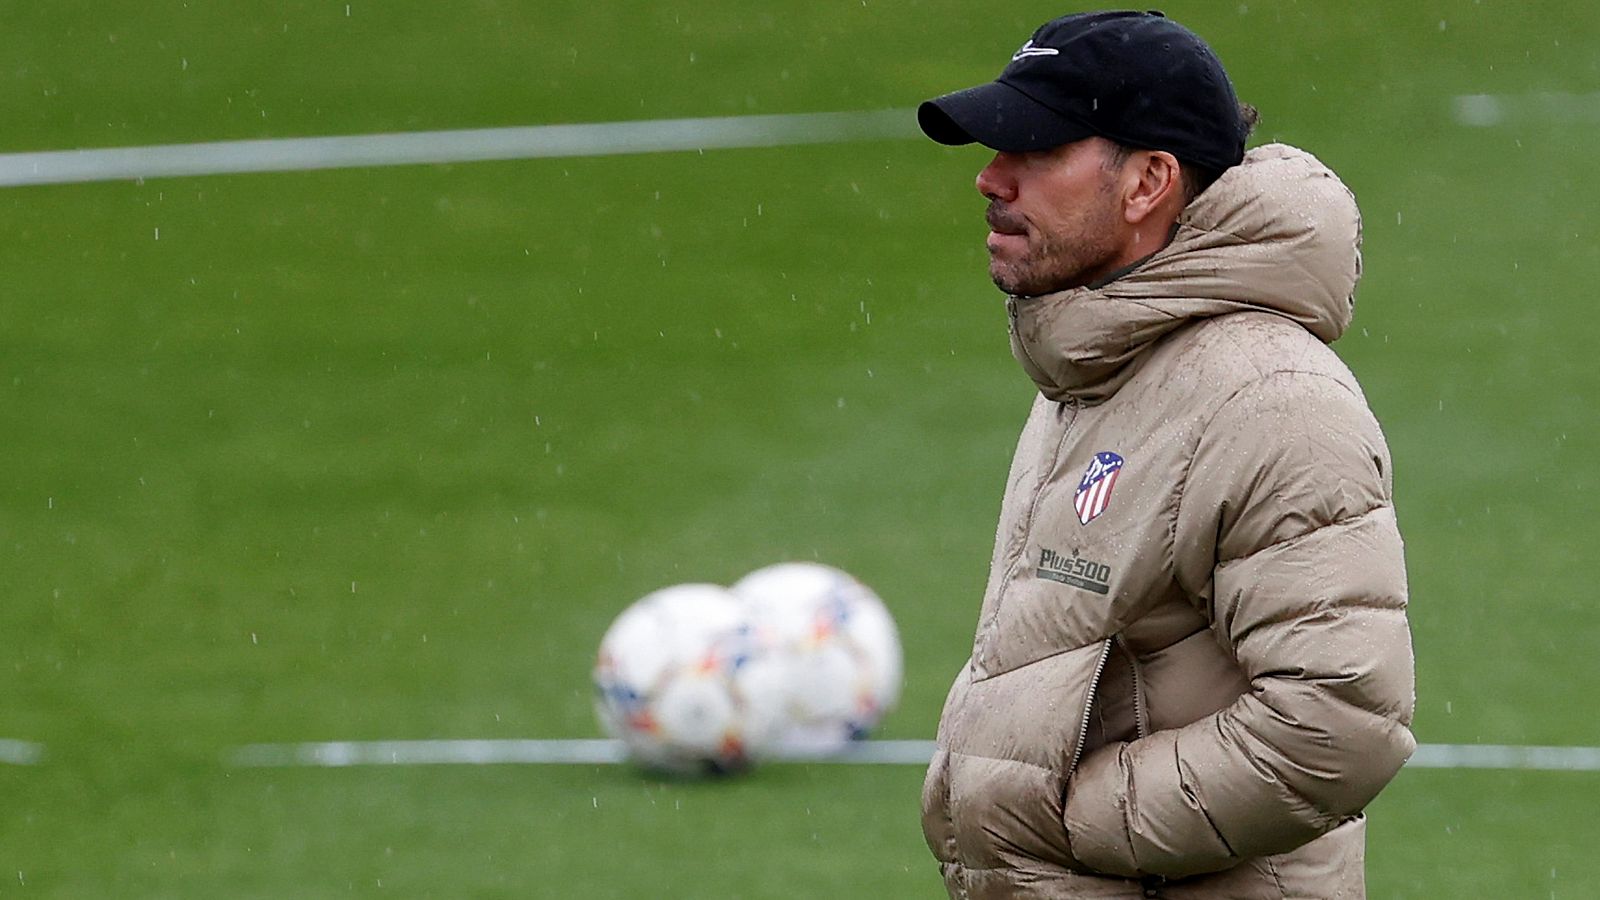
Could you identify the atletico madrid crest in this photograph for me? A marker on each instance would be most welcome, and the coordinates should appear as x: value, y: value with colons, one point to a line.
x: 1094, y: 491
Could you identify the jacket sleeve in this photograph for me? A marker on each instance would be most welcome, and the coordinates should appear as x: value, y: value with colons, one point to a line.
x: 1285, y: 533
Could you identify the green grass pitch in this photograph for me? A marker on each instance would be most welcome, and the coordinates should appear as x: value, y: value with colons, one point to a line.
x: 378, y: 454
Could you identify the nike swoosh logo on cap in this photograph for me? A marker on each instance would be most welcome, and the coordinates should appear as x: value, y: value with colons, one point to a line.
x: 1029, y: 49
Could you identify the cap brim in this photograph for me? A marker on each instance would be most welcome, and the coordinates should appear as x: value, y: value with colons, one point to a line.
x: 999, y: 117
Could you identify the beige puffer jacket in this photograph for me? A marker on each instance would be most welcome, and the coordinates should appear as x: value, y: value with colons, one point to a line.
x: 1192, y: 669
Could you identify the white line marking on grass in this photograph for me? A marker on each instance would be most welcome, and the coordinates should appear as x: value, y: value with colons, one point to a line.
x: 1491, y: 756
x: 339, y: 754
x: 336, y: 754
x: 408, y: 148
x: 1488, y: 110
x: 20, y: 753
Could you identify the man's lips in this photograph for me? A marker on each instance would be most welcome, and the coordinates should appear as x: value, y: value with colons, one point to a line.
x: 1002, y: 221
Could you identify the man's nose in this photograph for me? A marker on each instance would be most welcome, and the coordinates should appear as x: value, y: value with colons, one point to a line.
x: 998, y: 179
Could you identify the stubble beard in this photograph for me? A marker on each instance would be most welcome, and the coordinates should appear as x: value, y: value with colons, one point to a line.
x: 1070, y: 257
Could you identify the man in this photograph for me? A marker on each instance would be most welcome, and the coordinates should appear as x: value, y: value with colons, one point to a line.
x: 1192, y: 668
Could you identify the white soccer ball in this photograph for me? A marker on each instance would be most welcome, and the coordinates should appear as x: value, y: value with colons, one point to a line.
x: 844, y: 655
x: 687, y: 684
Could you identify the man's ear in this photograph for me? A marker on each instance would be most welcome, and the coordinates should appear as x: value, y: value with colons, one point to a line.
x: 1154, y: 185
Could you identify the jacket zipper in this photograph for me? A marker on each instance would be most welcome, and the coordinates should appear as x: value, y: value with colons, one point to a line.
x: 1141, y: 716
x: 1088, y: 706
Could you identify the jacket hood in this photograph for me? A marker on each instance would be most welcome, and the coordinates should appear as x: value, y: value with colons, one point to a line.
x: 1277, y: 233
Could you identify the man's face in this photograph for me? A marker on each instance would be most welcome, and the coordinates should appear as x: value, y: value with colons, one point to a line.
x: 1054, y: 216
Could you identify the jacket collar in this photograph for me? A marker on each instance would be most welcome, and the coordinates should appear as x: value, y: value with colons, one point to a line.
x: 1278, y: 233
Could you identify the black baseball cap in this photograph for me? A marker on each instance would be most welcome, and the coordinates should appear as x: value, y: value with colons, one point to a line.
x: 1136, y: 78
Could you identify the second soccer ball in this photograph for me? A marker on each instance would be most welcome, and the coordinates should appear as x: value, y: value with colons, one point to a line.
x: 844, y: 660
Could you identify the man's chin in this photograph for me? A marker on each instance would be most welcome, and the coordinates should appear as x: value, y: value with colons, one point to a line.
x: 1012, y: 284
x: 1004, y: 277
x: 1031, y: 283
